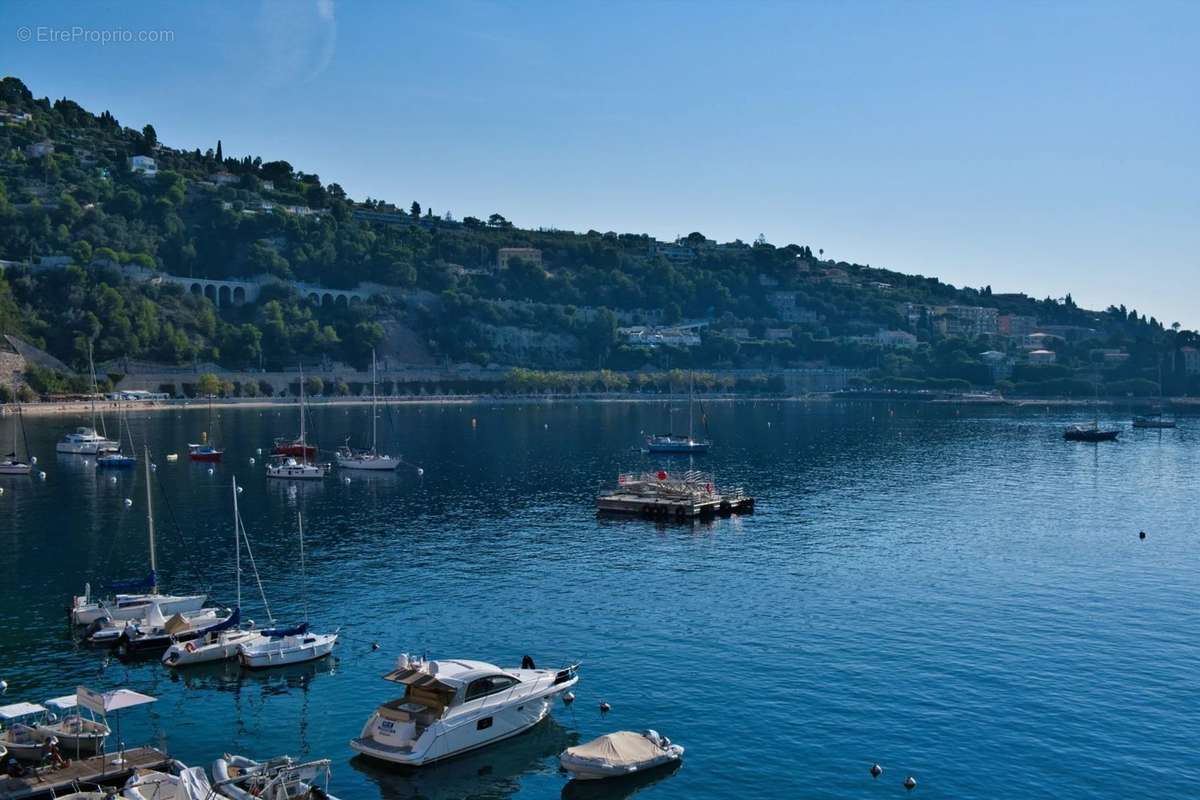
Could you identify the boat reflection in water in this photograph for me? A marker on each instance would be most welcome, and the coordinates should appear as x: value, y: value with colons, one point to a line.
x: 495, y: 771
x: 619, y: 788
x: 229, y: 676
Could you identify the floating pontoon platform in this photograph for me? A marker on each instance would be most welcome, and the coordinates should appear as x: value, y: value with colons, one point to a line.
x: 660, y: 495
x: 84, y: 774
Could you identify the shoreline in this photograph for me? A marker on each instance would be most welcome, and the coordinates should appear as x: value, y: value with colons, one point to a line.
x: 84, y: 407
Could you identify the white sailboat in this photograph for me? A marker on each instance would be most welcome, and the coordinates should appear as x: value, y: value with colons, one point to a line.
x: 11, y: 465
x: 287, y: 466
x: 279, y: 648
x: 86, y: 441
x: 224, y: 644
x: 347, y: 458
x: 144, y: 593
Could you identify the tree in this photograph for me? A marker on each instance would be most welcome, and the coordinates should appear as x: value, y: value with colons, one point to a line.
x: 498, y: 221
x: 313, y: 385
x: 149, y: 138
x: 220, y: 157
x: 415, y: 210
x: 208, y: 385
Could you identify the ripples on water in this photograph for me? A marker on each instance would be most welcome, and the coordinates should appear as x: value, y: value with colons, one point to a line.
x: 962, y: 597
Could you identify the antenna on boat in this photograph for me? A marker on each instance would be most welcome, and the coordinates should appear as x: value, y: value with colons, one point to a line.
x: 303, y: 574
x: 150, y: 525
x: 237, y: 545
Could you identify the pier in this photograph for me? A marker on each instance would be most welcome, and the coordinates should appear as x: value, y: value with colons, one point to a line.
x: 81, y: 775
x: 660, y: 495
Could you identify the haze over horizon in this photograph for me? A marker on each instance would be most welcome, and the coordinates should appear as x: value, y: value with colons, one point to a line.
x: 1045, y: 150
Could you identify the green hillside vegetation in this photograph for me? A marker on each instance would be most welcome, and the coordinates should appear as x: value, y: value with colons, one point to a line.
x: 83, y: 203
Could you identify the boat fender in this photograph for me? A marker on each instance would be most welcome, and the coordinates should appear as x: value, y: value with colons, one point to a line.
x: 191, y: 648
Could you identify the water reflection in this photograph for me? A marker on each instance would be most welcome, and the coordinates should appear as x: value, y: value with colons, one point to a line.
x: 491, y: 773
x: 618, y: 788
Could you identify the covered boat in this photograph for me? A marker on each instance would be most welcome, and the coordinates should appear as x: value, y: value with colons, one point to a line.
x: 176, y: 782
x: 616, y: 755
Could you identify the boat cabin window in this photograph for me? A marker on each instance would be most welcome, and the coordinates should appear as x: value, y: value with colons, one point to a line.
x: 481, y: 687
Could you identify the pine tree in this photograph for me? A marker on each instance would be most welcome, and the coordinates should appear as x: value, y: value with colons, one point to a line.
x: 219, y: 157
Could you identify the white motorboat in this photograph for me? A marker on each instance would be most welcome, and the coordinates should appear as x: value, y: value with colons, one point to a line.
x: 451, y: 707
x: 348, y: 458
x: 106, y: 632
x: 278, y: 648
x: 78, y: 735
x: 84, y: 442
x: 157, y: 634
x: 282, y: 778
x: 617, y: 755
x: 221, y: 645
x: 85, y: 610
x: 176, y: 782
x: 21, y: 736
x: 290, y: 469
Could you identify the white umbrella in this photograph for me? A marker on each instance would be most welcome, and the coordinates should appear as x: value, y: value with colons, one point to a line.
x: 115, y: 701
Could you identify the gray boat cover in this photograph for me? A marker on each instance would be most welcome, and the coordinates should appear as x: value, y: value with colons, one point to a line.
x: 620, y: 749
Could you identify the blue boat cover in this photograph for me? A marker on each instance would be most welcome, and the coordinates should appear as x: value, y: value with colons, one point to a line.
x: 274, y: 633
x: 224, y: 625
x: 148, y: 582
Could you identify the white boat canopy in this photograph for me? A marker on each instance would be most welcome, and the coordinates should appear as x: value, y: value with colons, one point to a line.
x: 64, y: 703
x: 117, y: 699
x: 18, y: 710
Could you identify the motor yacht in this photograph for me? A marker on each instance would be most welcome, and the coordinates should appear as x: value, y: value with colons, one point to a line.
x: 84, y: 442
x: 453, y: 706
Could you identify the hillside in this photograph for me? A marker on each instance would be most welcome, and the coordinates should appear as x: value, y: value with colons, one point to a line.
x: 95, y: 220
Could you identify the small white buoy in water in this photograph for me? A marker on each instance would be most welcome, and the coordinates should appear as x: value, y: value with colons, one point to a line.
x: 910, y: 783
x: 546, y: 426
x: 33, y: 459
x: 3, y: 687
x: 876, y: 770
x: 241, y: 489
x: 374, y: 645
x: 568, y: 698
x: 420, y: 470
x: 604, y: 707
x: 153, y: 467
x: 259, y: 451
x: 113, y: 479
x: 1, y: 490
x: 210, y: 470
x: 251, y: 460
x: 128, y: 503
x: 41, y: 476
x: 346, y: 481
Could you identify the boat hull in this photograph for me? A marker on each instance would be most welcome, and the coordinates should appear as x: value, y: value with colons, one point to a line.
x: 286, y: 651
x: 294, y: 450
x: 84, y: 448
x: 187, y: 654
x: 15, y: 469
x: 208, y: 456
x: 379, y: 463
x: 581, y: 770
x: 135, y: 607
x: 296, y: 473
x: 1091, y: 436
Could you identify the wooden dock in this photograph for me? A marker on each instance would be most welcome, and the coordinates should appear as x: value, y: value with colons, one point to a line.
x: 84, y: 774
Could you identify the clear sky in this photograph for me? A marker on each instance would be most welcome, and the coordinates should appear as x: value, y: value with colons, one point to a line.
x: 1038, y: 147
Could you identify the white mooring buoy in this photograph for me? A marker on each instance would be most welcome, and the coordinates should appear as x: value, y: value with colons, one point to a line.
x: 210, y: 470
x: 41, y: 476
x: 252, y: 461
x: 420, y: 470
x: 568, y: 698
x: 910, y: 783
x: 876, y: 770
x: 128, y: 503
x: 33, y: 459
x: 605, y: 707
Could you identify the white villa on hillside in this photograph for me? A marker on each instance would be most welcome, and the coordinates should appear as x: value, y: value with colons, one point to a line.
x: 144, y: 165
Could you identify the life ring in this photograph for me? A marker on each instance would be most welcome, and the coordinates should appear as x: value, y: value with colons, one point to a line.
x: 191, y: 648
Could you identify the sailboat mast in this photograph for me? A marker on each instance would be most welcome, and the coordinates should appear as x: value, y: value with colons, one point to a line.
x: 150, y: 525
x: 374, y: 413
x: 237, y: 545
x: 691, y: 390
x: 303, y: 573
x: 303, y: 442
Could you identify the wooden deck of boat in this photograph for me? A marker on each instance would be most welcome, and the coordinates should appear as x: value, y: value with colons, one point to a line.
x: 85, y: 773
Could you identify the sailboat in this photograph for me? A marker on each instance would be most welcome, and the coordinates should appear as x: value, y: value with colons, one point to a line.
x: 1093, y: 432
x: 205, y: 451
x: 295, y: 645
x: 85, y: 441
x: 11, y: 465
x: 672, y: 443
x: 113, y: 458
x: 347, y: 458
x: 1156, y: 420
x: 298, y: 447
x: 287, y: 466
x: 144, y: 593
x: 221, y: 644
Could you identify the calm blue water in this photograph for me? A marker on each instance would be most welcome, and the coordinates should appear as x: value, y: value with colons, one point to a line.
x: 960, y: 597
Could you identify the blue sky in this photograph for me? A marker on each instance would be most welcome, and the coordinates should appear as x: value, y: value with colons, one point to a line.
x: 1038, y: 147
